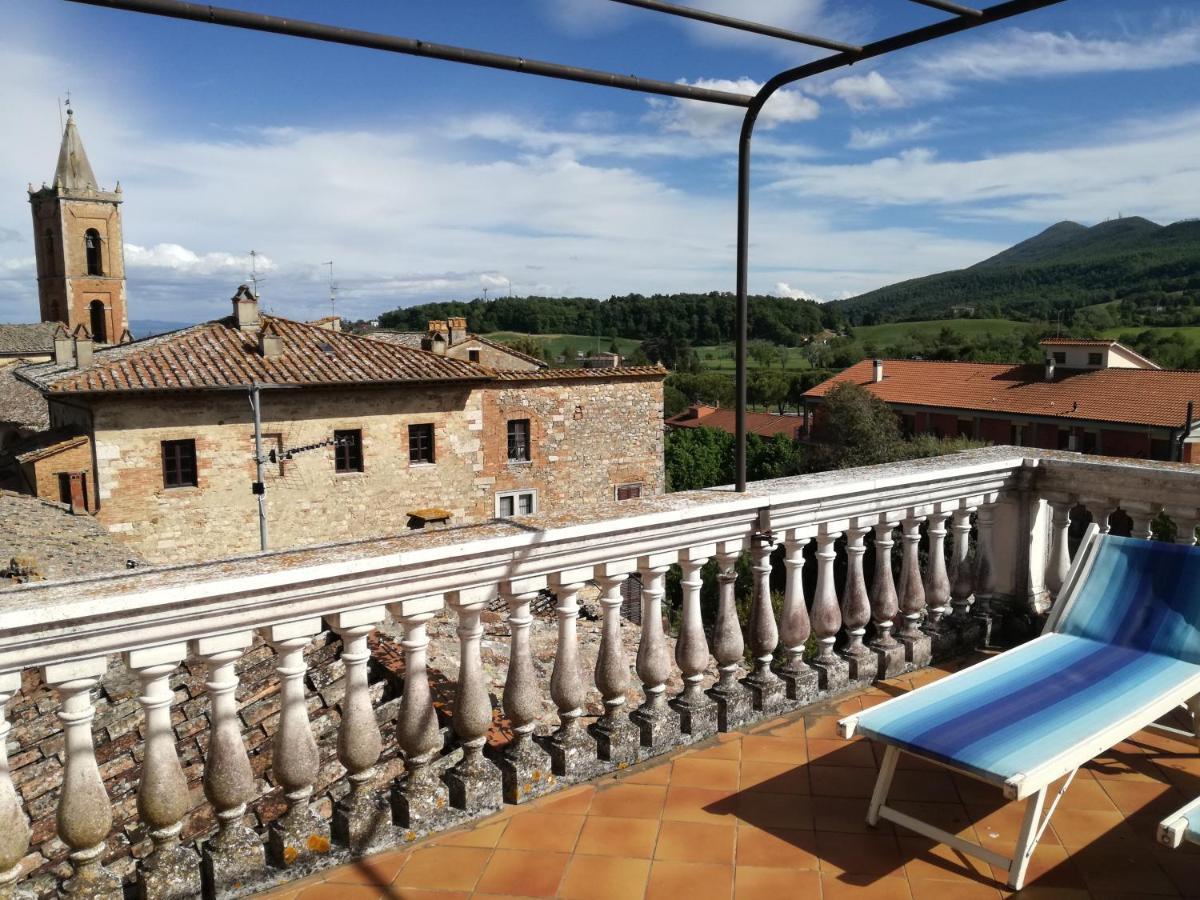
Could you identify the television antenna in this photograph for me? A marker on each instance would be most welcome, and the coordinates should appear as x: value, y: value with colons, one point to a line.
x: 332, y: 289
x: 254, y: 276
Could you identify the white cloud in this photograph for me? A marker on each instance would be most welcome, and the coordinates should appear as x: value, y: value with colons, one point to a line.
x: 707, y: 120
x: 876, y: 138
x: 866, y: 91
x: 783, y: 289
x: 174, y: 258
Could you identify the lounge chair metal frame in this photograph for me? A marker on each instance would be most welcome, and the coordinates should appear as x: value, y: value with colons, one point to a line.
x: 1034, y: 785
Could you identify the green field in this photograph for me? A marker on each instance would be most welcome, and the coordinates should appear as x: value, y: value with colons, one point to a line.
x: 575, y: 342
x: 720, y: 359
x: 895, y: 332
x: 1125, y: 333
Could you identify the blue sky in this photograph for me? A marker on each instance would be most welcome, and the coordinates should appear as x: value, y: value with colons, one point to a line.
x: 424, y: 180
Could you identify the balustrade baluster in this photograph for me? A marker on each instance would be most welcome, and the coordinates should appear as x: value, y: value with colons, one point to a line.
x: 937, y: 585
x: 475, y: 782
x: 84, y: 812
x: 1058, y: 563
x: 572, y: 749
x: 235, y: 854
x: 1186, y: 521
x: 525, y: 766
x: 14, y: 824
x: 697, y: 712
x: 616, y: 737
x: 766, y: 688
x: 299, y: 834
x: 800, y: 680
x: 918, y: 648
x: 968, y: 629
x: 885, y: 606
x: 657, y: 722
x: 361, y: 819
x: 1142, y: 519
x: 862, y: 664
x: 170, y: 872
x: 832, y: 670
x: 734, y: 702
x: 419, y: 797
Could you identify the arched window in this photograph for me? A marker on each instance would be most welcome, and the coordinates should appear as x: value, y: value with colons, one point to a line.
x: 99, y: 325
x: 48, y: 251
x: 91, y: 241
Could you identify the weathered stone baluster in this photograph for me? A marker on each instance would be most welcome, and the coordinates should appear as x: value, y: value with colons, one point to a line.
x: 937, y: 584
x: 419, y: 798
x: 525, y: 766
x: 889, y: 653
x: 968, y: 629
x: 84, y: 812
x: 697, y: 712
x: 475, y: 782
x: 657, y: 722
x: 361, y: 819
x: 765, y: 686
x: 616, y: 737
x: 827, y: 615
x: 985, y: 566
x: 917, y: 645
x: 862, y: 664
x: 1058, y: 563
x: 299, y: 834
x: 14, y: 825
x: 235, y: 855
x: 734, y: 702
x: 1186, y: 521
x: 572, y: 749
x: 170, y: 872
x: 1142, y: 518
x: 801, y: 681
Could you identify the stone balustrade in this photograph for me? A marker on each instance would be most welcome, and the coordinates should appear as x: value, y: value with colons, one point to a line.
x: 830, y: 606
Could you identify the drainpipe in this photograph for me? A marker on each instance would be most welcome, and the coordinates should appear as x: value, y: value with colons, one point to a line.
x: 1187, y: 431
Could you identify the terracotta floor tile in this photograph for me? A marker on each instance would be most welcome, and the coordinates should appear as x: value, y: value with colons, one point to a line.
x: 692, y: 804
x: 415, y: 894
x: 483, y: 836
x: 696, y: 842
x: 573, y: 801
x: 770, y: 847
x: 1078, y: 828
x: 796, y: 729
x: 379, y: 869
x: 926, y: 860
x: 776, y: 810
x: 858, y: 887
x: 536, y: 831
x: 718, y: 774
x: 859, y: 854
x: 329, y: 891
x: 951, y: 817
x: 523, y: 873
x: 845, y: 815
x: 603, y: 836
x: 826, y: 728
x: 841, y: 753
x: 773, y: 777
x: 721, y: 750
x: 999, y: 827
x: 840, y: 781
x: 1154, y: 797
x: 671, y: 880
x: 766, y: 748
x: 653, y: 775
x: 599, y: 878
x: 753, y: 883
x: 1128, y: 866
x: 952, y: 890
x: 1050, y: 867
x: 629, y: 801
x: 443, y: 868
x: 1083, y: 794
x: 971, y: 791
x: 935, y: 787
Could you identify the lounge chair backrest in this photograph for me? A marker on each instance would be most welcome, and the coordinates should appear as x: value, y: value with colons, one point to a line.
x: 1140, y: 594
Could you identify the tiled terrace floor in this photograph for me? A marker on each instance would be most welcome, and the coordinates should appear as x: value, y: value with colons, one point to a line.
x: 778, y: 812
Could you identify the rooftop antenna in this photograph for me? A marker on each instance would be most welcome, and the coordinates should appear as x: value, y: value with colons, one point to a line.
x: 332, y: 289
x: 485, y: 292
x: 254, y: 270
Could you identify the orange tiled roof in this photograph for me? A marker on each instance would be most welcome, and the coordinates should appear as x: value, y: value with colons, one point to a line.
x: 762, y: 424
x: 576, y: 374
x: 1156, y: 397
x: 1077, y: 342
x: 216, y: 355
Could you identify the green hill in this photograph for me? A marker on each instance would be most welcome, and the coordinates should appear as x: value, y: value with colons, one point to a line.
x: 1068, y: 266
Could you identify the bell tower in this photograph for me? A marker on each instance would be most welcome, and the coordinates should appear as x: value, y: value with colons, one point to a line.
x: 77, y: 240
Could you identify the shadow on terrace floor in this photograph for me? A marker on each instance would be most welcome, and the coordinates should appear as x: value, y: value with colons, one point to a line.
x: 778, y: 811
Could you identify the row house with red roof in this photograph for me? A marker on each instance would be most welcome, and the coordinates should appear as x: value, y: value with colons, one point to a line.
x: 1091, y: 396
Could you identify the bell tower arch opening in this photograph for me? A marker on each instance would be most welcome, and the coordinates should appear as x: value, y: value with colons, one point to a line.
x: 98, y: 322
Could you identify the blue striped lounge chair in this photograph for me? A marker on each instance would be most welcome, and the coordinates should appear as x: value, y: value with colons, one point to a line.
x: 1121, y: 649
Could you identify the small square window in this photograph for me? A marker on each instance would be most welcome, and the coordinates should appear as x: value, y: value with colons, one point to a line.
x: 516, y: 503
x: 347, y: 450
x: 420, y: 444
x: 629, y: 491
x: 518, y: 440
x: 473, y: 355
x: 179, y: 463
x: 1060, y: 358
x: 1095, y: 359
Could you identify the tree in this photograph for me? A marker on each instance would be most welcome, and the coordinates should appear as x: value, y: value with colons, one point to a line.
x: 697, y: 458
x: 768, y: 389
x: 674, y: 401
x: 526, y: 344
x: 775, y: 457
x: 857, y: 429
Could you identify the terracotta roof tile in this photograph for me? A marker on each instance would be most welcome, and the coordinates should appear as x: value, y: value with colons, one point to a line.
x: 35, y: 338
x: 1156, y: 397
x: 762, y: 424
x: 21, y: 404
x: 579, y: 374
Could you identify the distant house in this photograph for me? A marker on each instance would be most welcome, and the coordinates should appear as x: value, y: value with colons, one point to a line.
x: 762, y: 424
x: 449, y: 337
x: 602, y: 360
x: 1092, y: 396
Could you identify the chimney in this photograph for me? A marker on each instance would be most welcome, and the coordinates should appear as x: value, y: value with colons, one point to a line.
x: 1049, y: 368
x: 877, y: 371
x: 270, y: 344
x: 438, y: 337
x: 245, y: 309
x: 83, y: 347
x: 64, y: 348
x: 458, y: 330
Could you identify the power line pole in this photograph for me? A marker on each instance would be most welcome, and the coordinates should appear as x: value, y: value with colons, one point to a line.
x: 259, y: 487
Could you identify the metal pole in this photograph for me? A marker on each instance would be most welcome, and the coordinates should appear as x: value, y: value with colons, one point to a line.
x: 259, y: 486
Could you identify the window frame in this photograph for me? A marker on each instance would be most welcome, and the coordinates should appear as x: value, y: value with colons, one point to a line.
x: 1060, y: 359
x: 513, y: 440
x: 345, y: 455
x: 422, y: 428
x: 1095, y: 359
x: 515, y: 496
x: 636, y: 485
x: 93, y: 257
x: 173, y: 468
x: 473, y: 356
